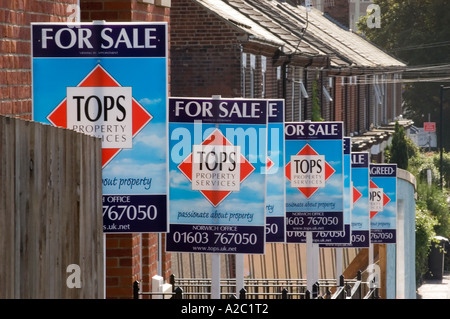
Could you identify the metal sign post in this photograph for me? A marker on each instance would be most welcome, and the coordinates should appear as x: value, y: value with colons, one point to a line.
x: 314, y: 185
x: 312, y: 261
x: 239, y: 273
x: 360, y: 221
x: 215, y: 277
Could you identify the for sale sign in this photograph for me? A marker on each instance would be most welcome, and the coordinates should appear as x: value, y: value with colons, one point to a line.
x: 334, y: 239
x: 109, y: 80
x: 383, y: 203
x: 218, y: 154
x: 275, y: 198
x: 360, y: 220
x: 360, y: 230
x: 314, y: 178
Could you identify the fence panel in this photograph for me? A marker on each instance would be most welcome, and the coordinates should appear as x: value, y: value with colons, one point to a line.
x: 50, y: 211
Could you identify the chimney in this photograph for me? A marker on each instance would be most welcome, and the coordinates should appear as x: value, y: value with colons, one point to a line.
x: 338, y: 10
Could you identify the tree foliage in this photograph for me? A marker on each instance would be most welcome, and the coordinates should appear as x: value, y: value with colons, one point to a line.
x: 418, y: 33
x: 432, y: 209
x: 424, y: 227
x: 445, y: 166
x: 398, y: 150
x: 316, y: 113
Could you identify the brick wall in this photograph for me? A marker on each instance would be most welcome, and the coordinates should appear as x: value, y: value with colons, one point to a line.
x: 15, y: 48
x: 338, y: 10
x: 205, y: 55
x: 124, y: 253
x: 131, y: 257
x: 124, y: 10
x: 207, y: 58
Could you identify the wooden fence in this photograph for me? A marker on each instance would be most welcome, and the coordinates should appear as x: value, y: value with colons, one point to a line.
x: 50, y: 212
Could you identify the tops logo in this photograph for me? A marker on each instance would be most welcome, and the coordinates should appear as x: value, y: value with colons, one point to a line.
x: 101, y: 107
x: 308, y: 171
x: 216, y: 168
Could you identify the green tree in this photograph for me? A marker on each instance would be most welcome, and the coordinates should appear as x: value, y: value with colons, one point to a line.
x: 425, y: 223
x: 398, y: 150
x: 316, y: 114
x: 432, y: 211
x: 418, y: 33
x: 445, y: 166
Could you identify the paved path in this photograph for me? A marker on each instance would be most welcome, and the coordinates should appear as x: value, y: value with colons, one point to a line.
x: 435, y: 289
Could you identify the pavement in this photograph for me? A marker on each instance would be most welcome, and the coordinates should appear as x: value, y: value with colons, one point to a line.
x: 435, y: 289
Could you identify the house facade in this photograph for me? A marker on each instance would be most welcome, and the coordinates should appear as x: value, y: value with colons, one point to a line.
x: 275, y: 49
x: 128, y: 257
x: 232, y: 48
x: 278, y: 49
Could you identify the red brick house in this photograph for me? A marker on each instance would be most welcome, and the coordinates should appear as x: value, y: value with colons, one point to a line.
x: 275, y: 49
x: 129, y: 257
x: 235, y: 48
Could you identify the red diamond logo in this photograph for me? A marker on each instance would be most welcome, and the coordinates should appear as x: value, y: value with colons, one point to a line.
x: 215, y: 197
x: 386, y: 199
x: 269, y: 164
x: 307, y: 150
x: 356, y: 194
x: 99, y: 77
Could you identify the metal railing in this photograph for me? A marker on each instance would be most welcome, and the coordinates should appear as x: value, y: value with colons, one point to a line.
x: 360, y: 289
x: 187, y: 288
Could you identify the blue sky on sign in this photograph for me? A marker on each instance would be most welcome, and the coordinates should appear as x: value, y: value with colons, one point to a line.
x: 147, y: 77
x: 387, y: 218
x: 360, y: 211
x: 275, y: 176
x: 333, y: 190
x: 249, y: 199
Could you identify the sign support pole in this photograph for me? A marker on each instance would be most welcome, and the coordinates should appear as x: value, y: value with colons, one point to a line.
x: 239, y: 273
x: 312, y: 258
x: 215, y: 278
x: 309, y: 261
x: 316, y: 252
x: 159, y: 264
x: 339, y: 271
